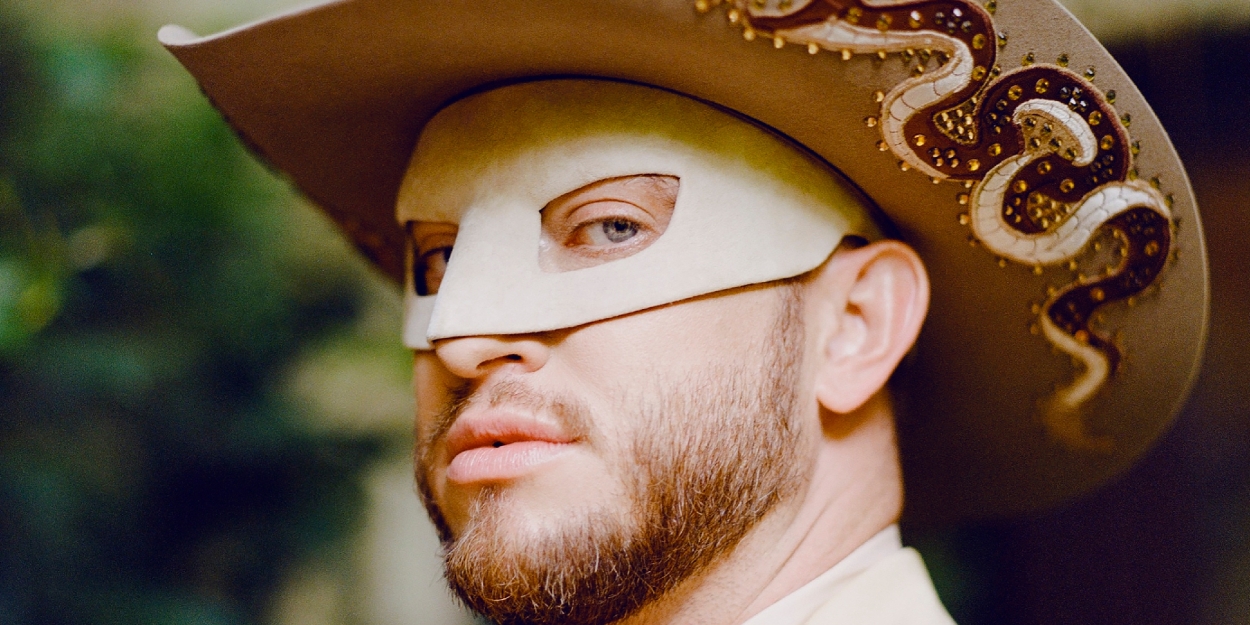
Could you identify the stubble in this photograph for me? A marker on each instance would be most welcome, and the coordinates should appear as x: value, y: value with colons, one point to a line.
x: 713, y: 453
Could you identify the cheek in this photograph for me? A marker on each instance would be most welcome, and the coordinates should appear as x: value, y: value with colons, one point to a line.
x: 432, y: 384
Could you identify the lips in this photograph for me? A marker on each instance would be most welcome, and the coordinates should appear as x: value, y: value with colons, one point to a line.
x: 498, y: 446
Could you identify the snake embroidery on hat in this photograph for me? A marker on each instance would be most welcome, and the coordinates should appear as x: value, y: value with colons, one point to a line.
x: 1045, y: 162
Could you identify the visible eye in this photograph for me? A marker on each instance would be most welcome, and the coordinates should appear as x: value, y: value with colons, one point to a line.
x: 605, y: 221
x: 431, y: 250
x: 601, y: 226
x: 434, y: 265
x: 615, y: 230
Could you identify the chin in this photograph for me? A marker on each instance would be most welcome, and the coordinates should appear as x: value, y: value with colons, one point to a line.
x: 572, y: 487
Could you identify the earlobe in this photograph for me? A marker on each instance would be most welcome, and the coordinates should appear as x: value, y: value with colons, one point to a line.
x: 875, y: 301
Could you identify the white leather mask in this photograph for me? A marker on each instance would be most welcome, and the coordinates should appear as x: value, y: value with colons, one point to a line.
x: 751, y: 207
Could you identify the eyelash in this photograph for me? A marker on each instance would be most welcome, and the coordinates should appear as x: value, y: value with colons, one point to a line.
x: 583, y: 233
x: 606, y: 227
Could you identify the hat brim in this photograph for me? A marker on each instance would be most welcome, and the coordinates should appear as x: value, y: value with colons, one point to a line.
x: 335, y: 96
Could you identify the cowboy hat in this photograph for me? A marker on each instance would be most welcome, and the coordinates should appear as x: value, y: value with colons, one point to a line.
x: 1000, y: 140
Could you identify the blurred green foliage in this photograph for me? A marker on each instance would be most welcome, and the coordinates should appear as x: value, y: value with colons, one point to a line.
x: 154, y: 285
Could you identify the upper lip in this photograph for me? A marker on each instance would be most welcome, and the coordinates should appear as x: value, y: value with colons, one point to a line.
x: 484, y: 429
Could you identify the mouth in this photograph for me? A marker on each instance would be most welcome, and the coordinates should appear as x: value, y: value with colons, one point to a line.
x: 499, y: 446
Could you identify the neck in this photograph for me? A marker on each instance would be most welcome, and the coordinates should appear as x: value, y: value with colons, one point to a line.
x: 854, y: 492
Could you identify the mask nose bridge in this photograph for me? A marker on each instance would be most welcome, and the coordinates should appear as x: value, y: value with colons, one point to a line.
x: 491, y: 224
x: 499, y: 226
x: 496, y: 248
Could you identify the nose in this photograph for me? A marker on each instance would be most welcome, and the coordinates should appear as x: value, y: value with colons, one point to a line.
x: 472, y: 357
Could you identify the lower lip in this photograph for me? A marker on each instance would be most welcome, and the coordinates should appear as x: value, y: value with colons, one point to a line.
x: 497, y: 464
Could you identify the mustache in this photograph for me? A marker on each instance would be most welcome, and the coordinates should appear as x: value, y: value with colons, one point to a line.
x: 572, y: 414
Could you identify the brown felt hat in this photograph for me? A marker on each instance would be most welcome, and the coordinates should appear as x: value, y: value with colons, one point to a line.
x: 1002, y: 141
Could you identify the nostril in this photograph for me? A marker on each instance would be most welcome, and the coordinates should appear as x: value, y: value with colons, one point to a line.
x: 480, y: 356
x: 497, y: 444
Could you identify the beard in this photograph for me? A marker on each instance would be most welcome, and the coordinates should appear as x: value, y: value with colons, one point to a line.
x: 712, y: 454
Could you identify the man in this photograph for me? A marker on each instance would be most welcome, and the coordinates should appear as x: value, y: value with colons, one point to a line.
x: 652, y: 377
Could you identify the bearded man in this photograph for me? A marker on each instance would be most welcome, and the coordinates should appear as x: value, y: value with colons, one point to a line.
x: 652, y: 377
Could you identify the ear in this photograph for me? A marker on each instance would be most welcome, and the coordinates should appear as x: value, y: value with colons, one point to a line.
x: 870, y: 303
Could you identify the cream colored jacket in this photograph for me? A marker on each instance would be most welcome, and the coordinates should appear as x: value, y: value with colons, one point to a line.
x: 880, y: 583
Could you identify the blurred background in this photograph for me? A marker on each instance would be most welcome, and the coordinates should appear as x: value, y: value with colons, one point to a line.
x: 204, y: 407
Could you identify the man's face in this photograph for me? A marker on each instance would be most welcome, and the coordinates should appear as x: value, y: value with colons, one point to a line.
x: 576, y: 475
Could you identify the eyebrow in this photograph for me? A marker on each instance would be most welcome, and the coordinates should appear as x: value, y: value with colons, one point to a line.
x: 662, y: 185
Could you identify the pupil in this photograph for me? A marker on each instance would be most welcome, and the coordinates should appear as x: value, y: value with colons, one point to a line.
x: 618, y: 230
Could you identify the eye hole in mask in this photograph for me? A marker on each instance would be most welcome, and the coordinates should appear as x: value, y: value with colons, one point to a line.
x: 605, y: 221
x: 601, y: 222
x: 430, y: 248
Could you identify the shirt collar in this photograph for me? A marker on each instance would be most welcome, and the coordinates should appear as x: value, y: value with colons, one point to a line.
x: 796, y: 607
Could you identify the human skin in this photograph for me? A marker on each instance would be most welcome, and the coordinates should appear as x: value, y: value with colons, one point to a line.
x: 861, y: 312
